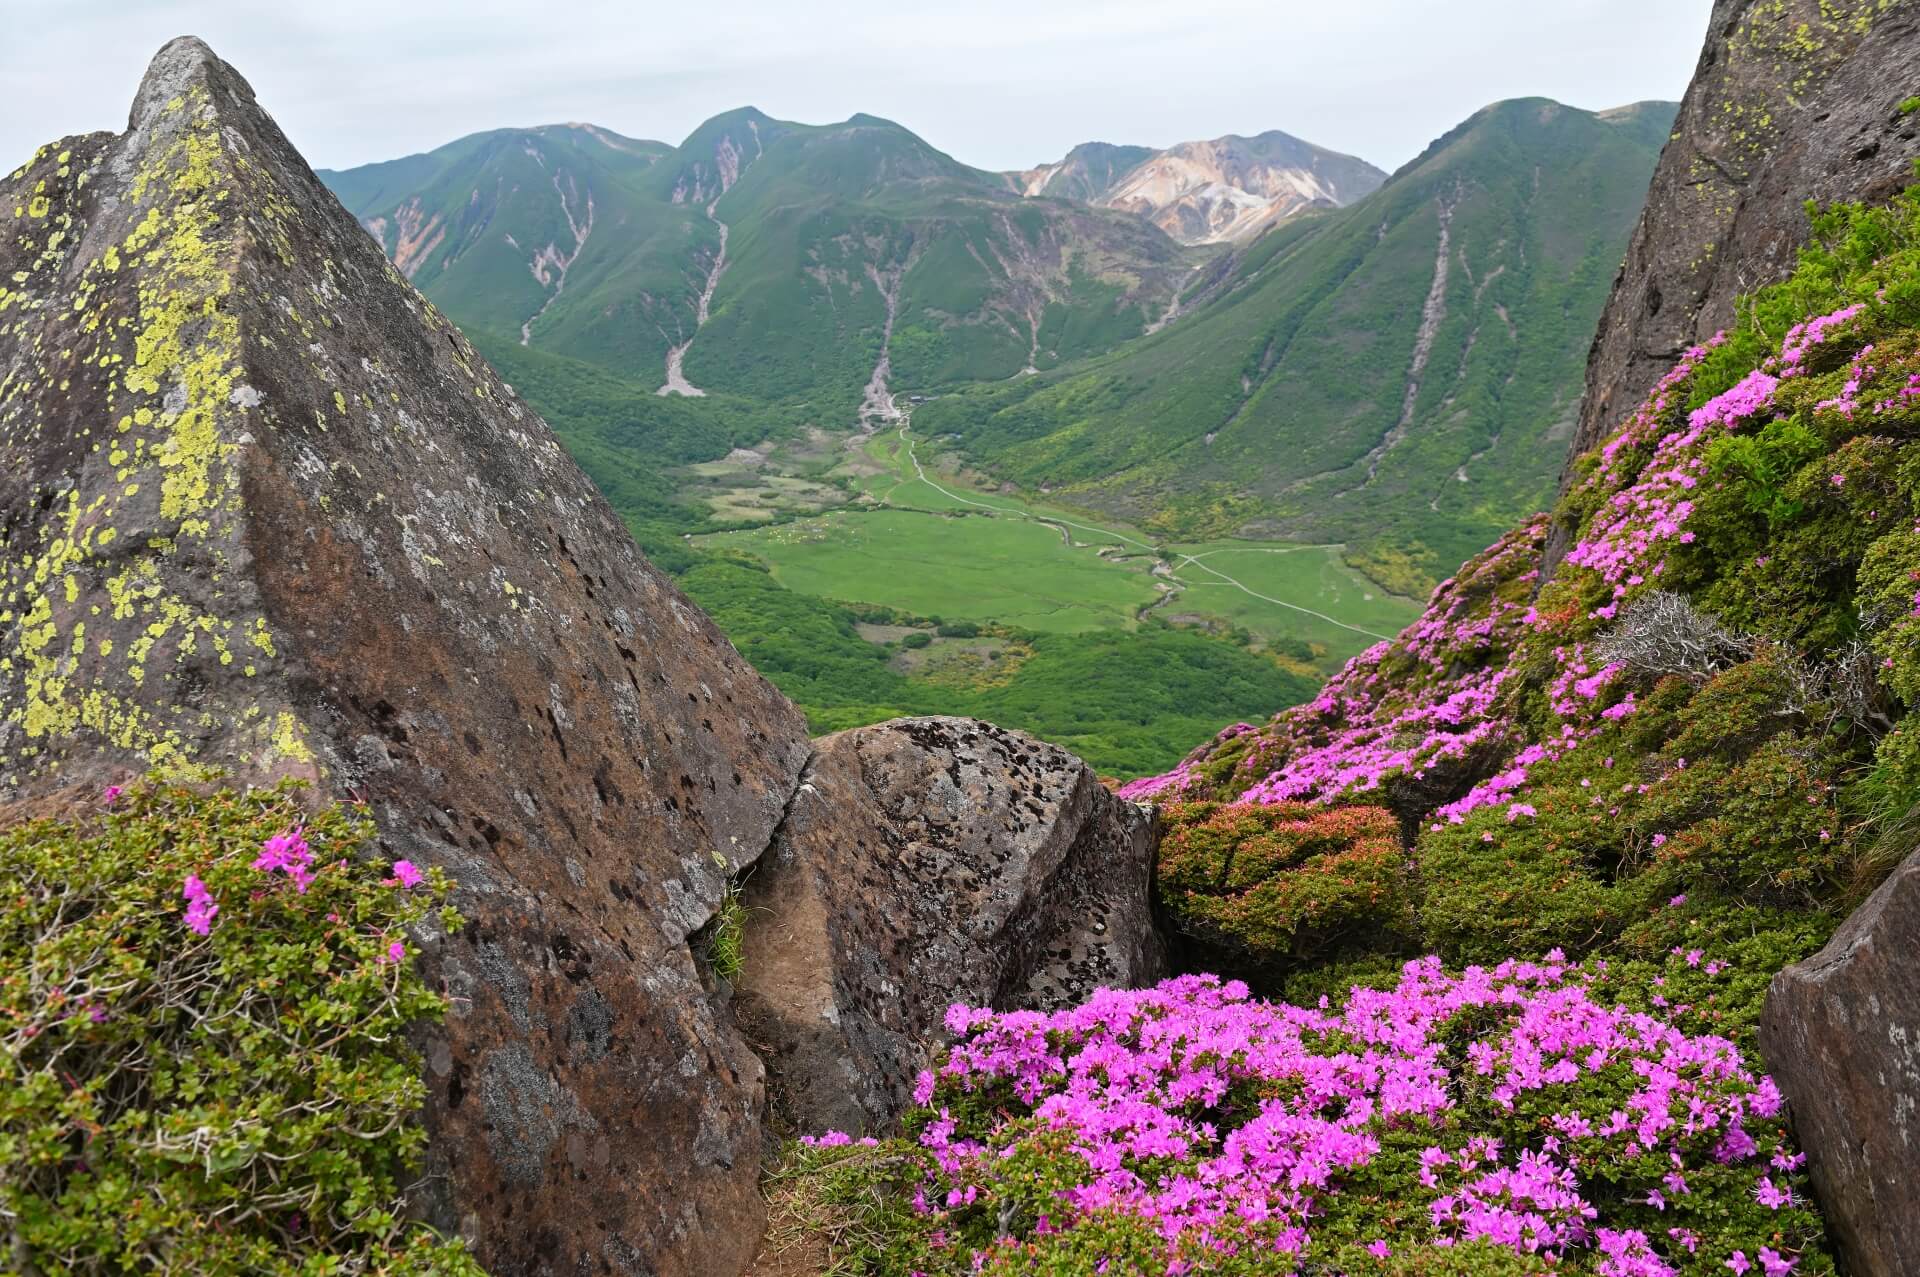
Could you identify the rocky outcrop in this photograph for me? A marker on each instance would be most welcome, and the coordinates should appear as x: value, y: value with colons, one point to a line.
x: 263, y: 509
x: 1226, y: 190
x: 1841, y: 1034
x: 1231, y: 188
x: 924, y: 862
x: 1793, y: 100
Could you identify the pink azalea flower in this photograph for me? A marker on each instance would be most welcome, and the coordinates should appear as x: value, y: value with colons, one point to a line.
x: 200, y: 905
x: 287, y: 852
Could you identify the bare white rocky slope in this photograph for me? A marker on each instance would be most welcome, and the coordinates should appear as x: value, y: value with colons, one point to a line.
x: 1218, y: 191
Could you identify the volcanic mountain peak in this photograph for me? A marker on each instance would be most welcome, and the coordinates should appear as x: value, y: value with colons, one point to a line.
x: 1220, y: 190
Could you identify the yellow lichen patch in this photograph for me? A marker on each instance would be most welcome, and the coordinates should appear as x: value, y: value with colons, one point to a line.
x: 181, y: 355
x: 186, y: 339
x: 47, y: 711
x: 288, y: 741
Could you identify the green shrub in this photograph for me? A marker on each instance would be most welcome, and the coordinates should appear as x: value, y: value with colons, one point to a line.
x: 1273, y: 886
x: 1764, y: 463
x: 1704, y: 964
x: 919, y: 638
x: 239, y: 1101
x: 1492, y: 888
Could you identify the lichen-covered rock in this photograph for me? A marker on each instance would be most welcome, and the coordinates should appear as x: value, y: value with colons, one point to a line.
x: 1793, y: 100
x: 1841, y: 1034
x: 928, y: 861
x: 263, y: 510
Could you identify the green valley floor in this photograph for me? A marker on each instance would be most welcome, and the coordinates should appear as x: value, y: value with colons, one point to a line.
x: 883, y: 579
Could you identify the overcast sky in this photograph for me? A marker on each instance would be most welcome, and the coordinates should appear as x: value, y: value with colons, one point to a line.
x: 996, y: 83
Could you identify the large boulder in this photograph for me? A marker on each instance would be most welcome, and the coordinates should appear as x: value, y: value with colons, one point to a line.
x: 1792, y: 100
x: 1841, y: 1035
x: 929, y: 861
x: 263, y: 509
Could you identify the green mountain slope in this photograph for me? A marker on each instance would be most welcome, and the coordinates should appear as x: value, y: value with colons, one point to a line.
x: 558, y: 236
x: 762, y: 258
x: 1399, y: 375
x: 841, y: 234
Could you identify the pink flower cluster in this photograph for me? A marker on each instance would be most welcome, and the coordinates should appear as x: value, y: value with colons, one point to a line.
x: 1180, y: 779
x: 1847, y: 402
x: 1428, y: 706
x: 1224, y: 1120
x: 1626, y: 541
x: 1423, y: 702
x: 1815, y: 332
x: 200, y: 905
x: 287, y: 852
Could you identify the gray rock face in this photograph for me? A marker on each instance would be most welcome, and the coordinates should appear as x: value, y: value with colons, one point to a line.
x: 1792, y: 100
x: 262, y: 508
x: 924, y: 862
x: 1841, y: 1034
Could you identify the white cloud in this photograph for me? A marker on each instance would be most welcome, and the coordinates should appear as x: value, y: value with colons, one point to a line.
x: 997, y: 83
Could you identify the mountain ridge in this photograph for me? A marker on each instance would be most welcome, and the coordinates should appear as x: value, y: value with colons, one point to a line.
x: 760, y: 257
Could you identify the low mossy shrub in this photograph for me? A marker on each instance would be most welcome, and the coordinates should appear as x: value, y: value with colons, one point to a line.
x: 1718, y: 793
x: 204, y: 996
x: 1270, y: 887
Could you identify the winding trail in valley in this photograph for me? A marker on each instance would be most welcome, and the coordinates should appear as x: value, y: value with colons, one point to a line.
x: 1183, y: 560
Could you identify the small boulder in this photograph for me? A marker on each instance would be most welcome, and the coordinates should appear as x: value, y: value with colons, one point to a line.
x: 1841, y: 1033
x: 924, y: 862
